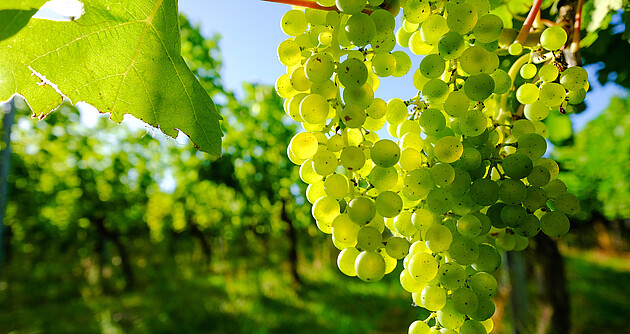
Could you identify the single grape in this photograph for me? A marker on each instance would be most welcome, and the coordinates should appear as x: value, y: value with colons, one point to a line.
x: 370, y: 266
x: 346, y: 259
x: 553, y: 38
x: 293, y: 22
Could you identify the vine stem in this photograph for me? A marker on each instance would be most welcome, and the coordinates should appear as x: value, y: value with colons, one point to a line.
x: 527, y: 25
x: 577, y: 25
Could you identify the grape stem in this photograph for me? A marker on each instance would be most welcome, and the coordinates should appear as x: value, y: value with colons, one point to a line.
x: 575, y: 43
x: 527, y: 25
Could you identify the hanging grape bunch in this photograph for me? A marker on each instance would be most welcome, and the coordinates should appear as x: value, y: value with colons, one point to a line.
x: 464, y: 175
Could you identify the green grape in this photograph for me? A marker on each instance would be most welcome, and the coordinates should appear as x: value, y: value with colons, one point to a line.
x: 284, y: 88
x: 299, y: 81
x: 555, y: 188
x: 417, y: 46
x: 461, y: 18
x: 574, y: 78
x: 529, y: 227
x: 483, y: 284
x: 416, y: 11
x: 419, y: 327
x: 469, y: 226
x: 325, y: 88
x: 576, y: 96
x: 353, y: 116
x: 412, y: 140
x: 517, y: 165
x: 315, y: 16
x: 527, y: 93
x: 360, y: 29
x: 485, y: 309
x: 488, y: 28
x: 502, y: 81
x: 370, y: 266
x: 465, y: 300
x: 410, y: 159
x: 383, y: 64
x: 481, y: 6
x: 567, y: 203
x: 314, y: 108
x: 422, y: 219
x: 419, y: 80
x: 513, y: 215
x: 451, y: 45
x: 470, y: 159
x: 451, y: 275
x: 396, y: 111
x: 515, y: 49
x: 385, y: 153
x: 461, y: 183
x: 551, y: 166
x: 362, y: 96
x: 304, y: 145
x: 293, y: 106
x: 473, y: 123
x: 409, y: 26
x: 456, y: 104
x: 346, y: 259
x: 383, y: 43
x: 548, y: 72
x: 435, y: 91
x: 352, y: 73
x: 319, y: 67
x: 553, y: 38
x: 403, y: 224
x: 325, y: 209
x: 388, y: 204
x: 403, y: 37
x: 383, y: 178
x: 486, y: 224
x: 463, y: 250
x: 432, y: 120
x: 325, y: 38
x: 448, y: 149
x: 472, y: 327
x: 484, y: 191
x: 532, y: 144
x: 489, y: 259
x: 361, y: 210
x: 335, y: 143
x: 433, y: 297
x: 293, y: 22
x: 536, y: 111
x: 539, y: 176
x: 512, y: 191
x: 478, y: 87
x: 403, y: 63
x: 315, y: 191
x: 552, y: 94
x: 433, y: 28
x: 377, y: 109
x: 409, y: 283
x: 408, y: 126
x: 528, y: 71
x: 474, y: 60
x: 350, y: 6
x: 442, y: 174
x: 554, y: 224
x: 289, y: 53
x: 438, y: 238
x: 494, y: 214
x: 432, y: 66
x: 352, y: 158
x: 369, y: 238
x: 423, y: 267
x: 417, y: 184
x: 383, y: 20
x: 336, y: 186
x: 324, y: 162
x: 440, y: 200
x: 397, y: 247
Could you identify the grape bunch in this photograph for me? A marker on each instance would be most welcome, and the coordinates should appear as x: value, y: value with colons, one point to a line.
x: 461, y: 176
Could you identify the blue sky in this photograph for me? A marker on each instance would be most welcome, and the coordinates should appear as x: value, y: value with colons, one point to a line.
x: 250, y: 31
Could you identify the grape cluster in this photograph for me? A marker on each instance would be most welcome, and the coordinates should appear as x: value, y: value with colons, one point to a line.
x: 462, y: 177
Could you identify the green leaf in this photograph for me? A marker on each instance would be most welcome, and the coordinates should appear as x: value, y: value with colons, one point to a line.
x: 121, y: 57
x: 14, y: 16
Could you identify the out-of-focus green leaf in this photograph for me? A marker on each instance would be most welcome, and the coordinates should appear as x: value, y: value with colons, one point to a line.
x: 122, y: 58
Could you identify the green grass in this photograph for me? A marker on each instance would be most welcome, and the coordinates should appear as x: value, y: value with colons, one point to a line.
x: 183, y: 300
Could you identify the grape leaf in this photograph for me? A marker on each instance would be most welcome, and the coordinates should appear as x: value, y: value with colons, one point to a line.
x: 122, y: 57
